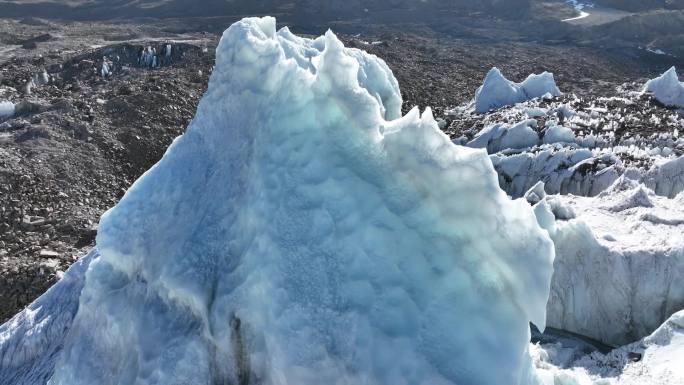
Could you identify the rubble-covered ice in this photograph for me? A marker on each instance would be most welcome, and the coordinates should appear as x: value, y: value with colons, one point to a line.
x: 584, y: 147
x: 619, y: 261
x: 497, y: 91
x: 667, y: 89
x: 654, y: 360
x: 303, y: 232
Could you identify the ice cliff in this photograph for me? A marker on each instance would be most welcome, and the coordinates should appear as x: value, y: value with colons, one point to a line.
x: 303, y: 232
x: 497, y: 91
x: 667, y: 89
x: 619, y: 259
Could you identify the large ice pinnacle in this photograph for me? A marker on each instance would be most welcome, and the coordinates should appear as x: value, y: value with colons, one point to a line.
x: 302, y: 232
x: 496, y: 91
x: 667, y: 89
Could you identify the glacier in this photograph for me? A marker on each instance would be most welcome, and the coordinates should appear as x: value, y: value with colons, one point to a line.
x: 303, y: 232
x: 496, y: 91
x: 667, y: 89
x: 619, y: 257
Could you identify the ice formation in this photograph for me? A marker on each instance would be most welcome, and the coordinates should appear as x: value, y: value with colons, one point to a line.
x: 6, y: 109
x: 505, y: 136
x: 148, y: 57
x: 666, y: 177
x: 31, y: 340
x: 654, y: 360
x: 667, y: 89
x: 559, y: 134
x: 497, y: 91
x: 565, y: 170
x: 303, y: 232
x: 619, y: 259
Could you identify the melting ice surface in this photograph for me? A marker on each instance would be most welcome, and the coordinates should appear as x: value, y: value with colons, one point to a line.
x: 303, y: 232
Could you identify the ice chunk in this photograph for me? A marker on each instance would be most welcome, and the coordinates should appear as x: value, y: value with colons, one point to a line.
x: 559, y: 134
x: 6, y: 109
x: 667, y: 89
x: 563, y: 171
x: 497, y: 91
x: 505, y: 136
x: 666, y: 178
x: 297, y: 235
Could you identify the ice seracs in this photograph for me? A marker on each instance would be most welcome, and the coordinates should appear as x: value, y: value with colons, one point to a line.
x: 667, y: 89
x: 303, y: 232
x: 619, y: 258
x: 497, y: 91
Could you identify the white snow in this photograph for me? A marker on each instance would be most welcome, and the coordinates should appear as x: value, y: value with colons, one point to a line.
x: 497, y: 91
x: 303, y: 232
x: 667, y: 89
x: 658, y: 361
x: 619, y: 259
x: 6, y: 109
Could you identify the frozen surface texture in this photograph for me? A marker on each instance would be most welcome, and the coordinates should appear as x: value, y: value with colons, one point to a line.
x: 619, y: 261
x: 497, y: 91
x: 654, y: 360
x: 303, y: 232
x: 667, y: 89
x: 31, y: 341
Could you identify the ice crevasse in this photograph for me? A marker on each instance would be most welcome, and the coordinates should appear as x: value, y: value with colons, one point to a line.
x: 303, y: 232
